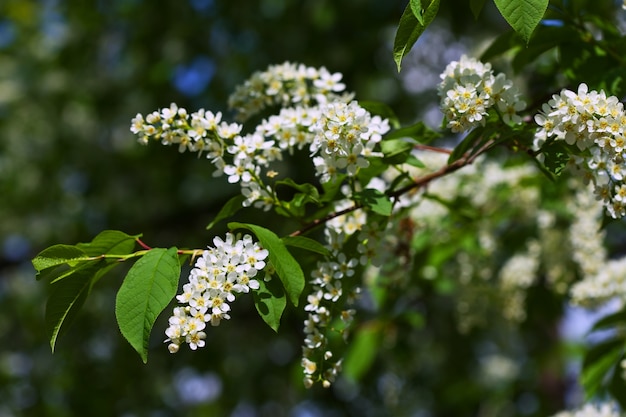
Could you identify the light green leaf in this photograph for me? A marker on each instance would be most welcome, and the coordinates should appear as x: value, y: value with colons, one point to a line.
x: 270, y: 302
x: 418, y: 10
x: 58, y: 255
x: 306, y: 243
x: 598, y: 363
x: 287, y: 268
x: 231, y: 207
x: 147, y: 289
x: 396, y: 151
x: 362, y: 352
x: 66, y: 299
x: 523, y: 15
x: 410, y: 29
x: 375, y: 201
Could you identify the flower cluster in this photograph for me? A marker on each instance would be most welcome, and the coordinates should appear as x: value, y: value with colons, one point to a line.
x: 592, y: 410
x: 327, y: 301
x: 594, y: 122
x: 338, y: 132
x: 201, y: 131
x: 344, y: 135
x: 222, y: 271
x: 287, y: 84
x: 469, y: 89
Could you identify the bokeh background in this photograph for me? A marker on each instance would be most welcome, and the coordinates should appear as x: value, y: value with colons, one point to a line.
x: 72, y: 75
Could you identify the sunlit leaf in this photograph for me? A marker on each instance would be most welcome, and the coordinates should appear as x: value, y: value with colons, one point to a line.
x: 410, y: 29
x: 523, y: 16
x: 287, y: 268
x: 147, y: 289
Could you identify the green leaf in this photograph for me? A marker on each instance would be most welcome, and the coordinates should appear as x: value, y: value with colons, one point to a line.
x: 306, y: 243
x: 231, y: 207
x: 147, y: 289
x: 418, y: 10
x: 598, y: 363
x: 270, y: 302
x: 410, y: 29
x: 305, y: 188
x: 396, y: 151
x: 523, y: 15
x: 66, y: 299
x: 383, y: 110
x: 418, y: 131
x: 477, y: 6
x: 414, y: 161
x: 58, y: 255
x: 375, y: 201
x: 111, y: 242
x: 610, y: 321
x: 287, y: 268
x: 362, y: 351
x: 296, y: 206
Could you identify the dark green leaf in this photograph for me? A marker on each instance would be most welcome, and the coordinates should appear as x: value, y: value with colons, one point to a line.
x: 418, y: 131
x: 466, y: 144
x: 306, y: 188
x: 375, y: 201
x: 477, y: 6
x: 66, y: 299
x: 381, y: 109
x: 306, y: 243
x: 111, y: 242
x: 231, y: 207
x: 523, y: 16
x: 610, y: 321
x: 147, y: 289
x: 270, y: 302
x: 287, y: 268
x: 410, y: 29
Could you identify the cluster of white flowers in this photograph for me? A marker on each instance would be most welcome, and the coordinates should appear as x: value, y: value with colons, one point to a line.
x: 201, y: 131
x: 338, y: 132
x: 286, y: 85
x: 221, y: 272
x: 326, y: 301
x: 469, y: 89
x: 344, y: 135
x: 594, y: 123
x: 515, y: 277
x: 592, y: 410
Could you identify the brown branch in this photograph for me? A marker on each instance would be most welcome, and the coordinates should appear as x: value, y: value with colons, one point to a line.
x: 466, y: 159
x: 432, y: 148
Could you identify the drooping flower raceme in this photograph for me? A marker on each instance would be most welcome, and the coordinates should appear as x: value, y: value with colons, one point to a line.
x: 339, y: 133
x: 595, y: 123
x: 469, y: 89
x: 228, y: 268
